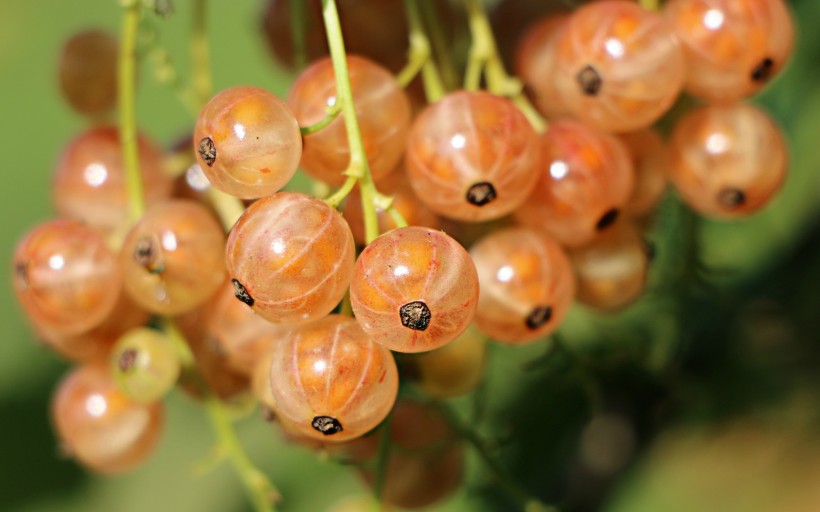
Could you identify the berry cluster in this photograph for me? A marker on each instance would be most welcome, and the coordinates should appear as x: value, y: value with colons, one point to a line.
x: 310, y: 309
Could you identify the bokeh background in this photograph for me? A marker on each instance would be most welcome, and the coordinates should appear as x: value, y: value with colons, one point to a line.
x: 706, y: 391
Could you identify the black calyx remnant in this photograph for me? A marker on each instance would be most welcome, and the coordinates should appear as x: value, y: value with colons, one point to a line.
x: 590, y: 81
x: 607, y: 219
x: 731, y: 197
x: 763, y: 71
x: 207, y: 150
x: 21, y: 271
x: 127, y: 360
x: 481, y: 193
x: 326, y: 425
x: 538, y: 317
x: 415, y: 315
x: 148, y: 256
x: 241, y: 293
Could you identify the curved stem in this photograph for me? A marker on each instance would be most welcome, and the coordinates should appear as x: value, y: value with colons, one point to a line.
x: 358, y: 167
x: 439, y: 45
x: 421, y: 54
x: 126, y: 77
x: 260, y: 491
x: 336, y: 199
x: 330, y: 116
x: 484, y: 55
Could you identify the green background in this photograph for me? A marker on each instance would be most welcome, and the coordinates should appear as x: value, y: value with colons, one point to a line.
x: 774, y: 247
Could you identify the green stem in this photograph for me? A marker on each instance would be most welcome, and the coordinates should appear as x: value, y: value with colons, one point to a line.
x: 200, y: 53
x: 260, y: 491
x: 336, y: 199
x: 439, y: 45
x: 358, y: 167
x: 126, y: 76
x: 484, y: 57
x: 330, y: 116
x: 421, y: 57
x: 527, y: 502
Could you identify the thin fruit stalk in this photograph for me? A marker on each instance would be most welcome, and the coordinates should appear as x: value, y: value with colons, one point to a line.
x: 127, y: 109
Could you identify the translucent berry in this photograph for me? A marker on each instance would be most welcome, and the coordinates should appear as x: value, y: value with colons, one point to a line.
x: 618, y: 66
x: 96, y: 343
x: 173, y: 258
x: 247, y: 142
x: 414, y: 289
x: 426, y: 462
x: 535, y: 63
x: 382, y: 108
x: 733, y: 48
x: 454, y: 369
x: 88, y: 71
x: 586, y: 179
x: 290, y: 257
x: 332, y: 381
x: 727, y: 161
x: 242, y: 335
x: 472, y: 156
x: 650, y: 159
x: 89, y: 183
x: 145, y: 365
x: 405, y: 202
x: 65, y: 277
x: 611, y: 270
x: 526, y: 284
x: 100, y: 426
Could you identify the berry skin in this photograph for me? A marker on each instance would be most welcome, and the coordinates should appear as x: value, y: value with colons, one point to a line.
x: 382, y: 108
x: 89, y: 182
x: 650, y: 158
x: 733, y: 48
x: 454, y: 369
x: 145, y: 365
x: 173, y: 258
x: 586, y: 179
x: 472, y: 156
x: 331, y: 381
x: 526, y: 283
x: 100, y: 426
x: 291, y: 257
x: 88, y: 72
x: 414, y: 289
x: 65, y: 277
x: 247, y: 142
x: 535, y: 63
x: 727, y: 161
x: 612, y: 270
x: 618, y: 67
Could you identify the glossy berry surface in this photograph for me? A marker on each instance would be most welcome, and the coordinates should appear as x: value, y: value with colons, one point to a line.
x: 332, y: 381
x: 405, y: 201
x: 612, y: 270
x: 586, y: 179
x: 472, y: 156
x: 382, y: 108
x: 87, y: 71
x: 618, y: 66
x: 291, y: 258
x: 535, y: 63
x: 241, y: 334
x: 454, y: 369
x: 247, y: 142
x: 65, y: 277
x: 526, y: 284
x: 727, y: 161
x: 733, y: 48
x: 89, y: 181
x: 650, y: 159
x: 173, y: 259
x: 145, y: 365
x: 414, y: 289
x: 100, y: 426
